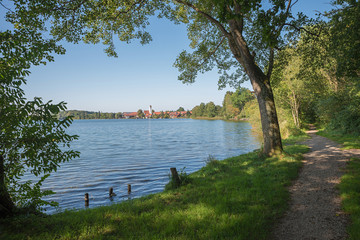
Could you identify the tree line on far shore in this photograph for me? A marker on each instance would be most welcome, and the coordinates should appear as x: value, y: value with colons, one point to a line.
x: 79, y: 114
x: 232, y: 107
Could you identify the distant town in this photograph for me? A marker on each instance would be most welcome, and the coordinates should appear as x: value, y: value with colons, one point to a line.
x: 140, y: 114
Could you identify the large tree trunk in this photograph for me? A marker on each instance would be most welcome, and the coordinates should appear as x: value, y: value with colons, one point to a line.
x: 6, y: 204
x: 261, y: 85
x: 269, y: 120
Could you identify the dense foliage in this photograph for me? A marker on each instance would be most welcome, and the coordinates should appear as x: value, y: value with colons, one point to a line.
x: 32, y: 140
x: 232, y: 108
x: 316, y: 79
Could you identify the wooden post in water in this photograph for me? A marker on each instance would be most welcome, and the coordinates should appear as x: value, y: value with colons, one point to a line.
x: 129, y: 188
x: 86, y: 199
x: 175, y: 177
x: 111, y: 192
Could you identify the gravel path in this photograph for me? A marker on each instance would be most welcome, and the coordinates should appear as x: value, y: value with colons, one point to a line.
x: 315, y: 211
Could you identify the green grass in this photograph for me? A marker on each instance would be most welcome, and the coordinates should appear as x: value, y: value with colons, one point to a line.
x: 348, y: 141
x: 237, y: 198
x: 350, y: 194
x: 294, y: 139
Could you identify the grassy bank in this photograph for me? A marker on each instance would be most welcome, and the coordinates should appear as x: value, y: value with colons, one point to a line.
x: 237, y: 198
x: 348, y: 141
x: 350, y: 194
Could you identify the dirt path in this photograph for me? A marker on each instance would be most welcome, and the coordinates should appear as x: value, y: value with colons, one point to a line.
x: 315, y: 211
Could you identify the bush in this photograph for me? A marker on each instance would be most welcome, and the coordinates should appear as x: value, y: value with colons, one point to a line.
x: 340, y: 112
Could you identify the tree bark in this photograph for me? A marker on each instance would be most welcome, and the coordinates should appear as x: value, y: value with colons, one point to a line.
x: 7, y: 206
x: 268, y: 114
x: 261, y: 85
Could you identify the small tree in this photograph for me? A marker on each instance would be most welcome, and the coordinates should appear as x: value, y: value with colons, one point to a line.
x: 210, y: 109
x: 181, y: 109
x: 118, y: 115
x: 140, y: 113
x: 241, y: 97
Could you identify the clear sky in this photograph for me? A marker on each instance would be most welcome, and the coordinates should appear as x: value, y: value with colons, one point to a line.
x: 87, y: 79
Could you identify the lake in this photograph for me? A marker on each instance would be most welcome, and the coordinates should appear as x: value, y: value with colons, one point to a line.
x: 140, y: 152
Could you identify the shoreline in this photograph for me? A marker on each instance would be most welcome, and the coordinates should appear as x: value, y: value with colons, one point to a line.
x: 224, y: 199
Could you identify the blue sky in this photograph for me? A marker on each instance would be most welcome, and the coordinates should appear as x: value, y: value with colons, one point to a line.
x: 87, y: 79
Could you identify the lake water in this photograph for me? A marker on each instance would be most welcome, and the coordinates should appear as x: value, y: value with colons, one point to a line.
x: 140, y: 152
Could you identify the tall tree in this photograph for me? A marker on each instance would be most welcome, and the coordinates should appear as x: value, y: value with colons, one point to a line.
x: 180, y: 109
x: 241, y: 97
x: 140, y: 114
x: 345, y: 32
x: 210, y: 109
x: 240, y: 34
x: 229, y: 110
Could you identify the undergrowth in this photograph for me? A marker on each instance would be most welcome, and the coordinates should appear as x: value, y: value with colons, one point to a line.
x: 350, y: 194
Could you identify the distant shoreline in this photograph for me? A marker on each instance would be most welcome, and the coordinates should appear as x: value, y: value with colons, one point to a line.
x: 197, y: 118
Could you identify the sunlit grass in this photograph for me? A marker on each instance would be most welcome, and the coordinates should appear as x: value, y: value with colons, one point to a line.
x: 237, y: 198
x: 348, y: 141
x: 350, y: 194
x: 293, y: 139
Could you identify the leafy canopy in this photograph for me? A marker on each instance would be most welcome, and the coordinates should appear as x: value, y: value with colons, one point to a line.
x: 32, y: 139
x: 95, y: 21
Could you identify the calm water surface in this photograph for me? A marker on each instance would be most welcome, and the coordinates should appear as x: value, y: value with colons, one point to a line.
x: 115, y: 153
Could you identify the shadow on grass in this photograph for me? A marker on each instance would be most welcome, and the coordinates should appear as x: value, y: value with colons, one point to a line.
x: 237, y: 198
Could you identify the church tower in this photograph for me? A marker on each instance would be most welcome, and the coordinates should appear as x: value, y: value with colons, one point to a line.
x: 150, y: 110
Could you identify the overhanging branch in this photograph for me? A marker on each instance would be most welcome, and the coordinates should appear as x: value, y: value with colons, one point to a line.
x: 63, y: 7
x: 140, y: 3
x: 6, y: 7
x: 302, y: 28
x: 213, y: 51
x: 210, y: 18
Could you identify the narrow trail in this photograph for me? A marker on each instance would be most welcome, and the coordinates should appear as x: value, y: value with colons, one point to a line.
x: 315, y: 205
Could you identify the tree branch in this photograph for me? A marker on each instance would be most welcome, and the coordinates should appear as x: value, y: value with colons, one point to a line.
x: 213, y: 51
x: 294, y: 3
x: 6, y: 7
x: 336, y: 11
x: 63, y: 7
x: 301, y: 28
x: 289, y: 6
x: 210, y: 18
x: 140, y: 2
